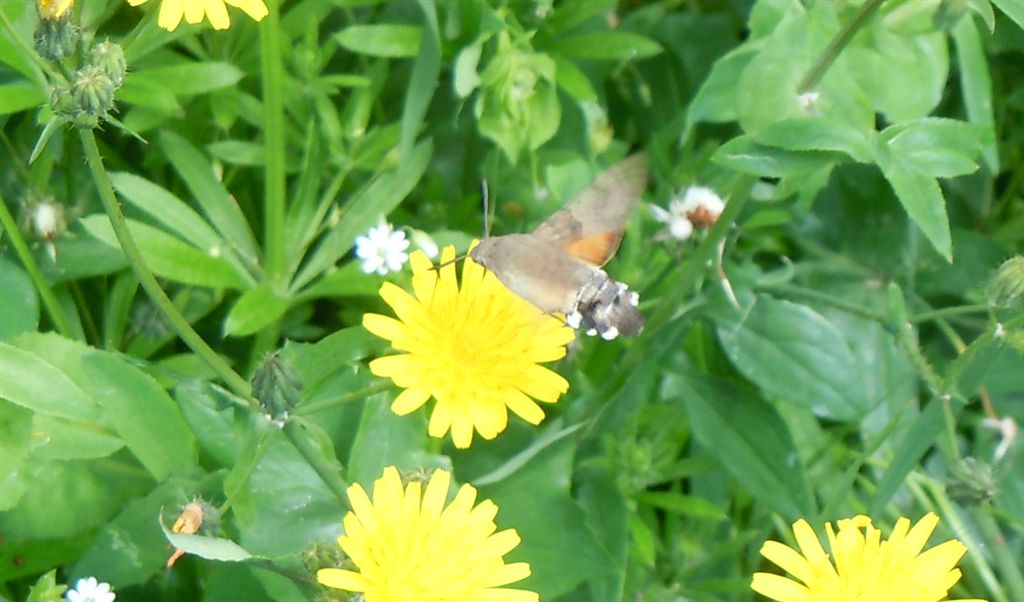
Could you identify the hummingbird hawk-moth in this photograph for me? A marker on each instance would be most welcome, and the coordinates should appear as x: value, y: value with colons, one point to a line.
x: 557, y: 267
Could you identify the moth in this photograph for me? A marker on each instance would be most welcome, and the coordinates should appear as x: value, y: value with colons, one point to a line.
x: 557, y: 267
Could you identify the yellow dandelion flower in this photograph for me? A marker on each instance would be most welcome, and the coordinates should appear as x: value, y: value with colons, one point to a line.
x: 408, y: 545
x: 863, y: 567
x: 476, y: 350
x: 171, y: 11
x: 54, y: 9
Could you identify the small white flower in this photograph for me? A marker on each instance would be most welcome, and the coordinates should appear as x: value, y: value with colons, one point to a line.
x: 696, y: 198
x: 90, y: 590
x: 679, y: 226
x: 383, y: 249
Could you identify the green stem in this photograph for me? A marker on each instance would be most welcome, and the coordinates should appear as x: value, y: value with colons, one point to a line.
x: 53, y: 308
x: 949, y: 311
x: 327, y: 404
x: 835, y: 48
x: 246, y: 470
x: 274, y: 144
x: 314, y: 456
x: 131, y: 250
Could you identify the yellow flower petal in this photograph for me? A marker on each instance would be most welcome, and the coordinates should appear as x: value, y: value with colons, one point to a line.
x: 193, y: 11
x: 863, y: 566
x: 414, y: 547
x: 475, y: 348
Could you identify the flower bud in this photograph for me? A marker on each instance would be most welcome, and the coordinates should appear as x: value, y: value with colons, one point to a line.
x: 93, y: 91
x: 971, y: 483
x: 1007, y: 286
x: 55, y: 39
x: 62, y: 102
x: 54, y: 9
x: 110, y: 59
x: 276, y: 387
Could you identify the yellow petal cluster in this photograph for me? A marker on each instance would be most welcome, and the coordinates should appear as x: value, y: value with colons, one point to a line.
x: 172, y: 11
x: 476, y: 350
x: 54, y: 9
x: 862, y: 567
x: 409, y: 545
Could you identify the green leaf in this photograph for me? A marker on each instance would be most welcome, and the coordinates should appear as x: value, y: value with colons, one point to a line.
x: 715, y: 101
x: 545, y: 115
x: 210, y: 548
x: 976, y: 85
x: 903, y: 75
x: 43, y: 387
x: 20, y: 96
x: 383, y: 40
x: 1012, y: 9
x: 237, y: 152
x: 921, y: 197
x: 144, y: 414
x: 681, y: 504
x: 149, y: 93
x: 254, y: 310
x: 19, y: 301
x: 364, y: 209
x: 45, y: 589
x: 749, y: 439
x: 794, y: 354
x: 745, y: 155
x: 211, y: 417
x: 168, y: 256
x: 465, y: 78
x: 816, y: 134
x: 426, y: 70
x: 918, y: 438
x: 216, y: 203
x: 570, y: 13
x: 941, y: 148
x: 560, y: 559
x: 386, y: 439
x: 188, y: 79
x: 71, y: 440
x: 574, y: 81
x: 607, y: 46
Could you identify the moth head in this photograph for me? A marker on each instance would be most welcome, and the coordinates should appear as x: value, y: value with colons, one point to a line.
x: 483, y: 252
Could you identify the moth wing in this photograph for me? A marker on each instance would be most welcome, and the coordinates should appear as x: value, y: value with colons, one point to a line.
x: 589, y: 227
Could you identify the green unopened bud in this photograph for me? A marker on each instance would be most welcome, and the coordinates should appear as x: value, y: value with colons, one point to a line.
x: 1007, y: 287
x: 110, y: 58
x: 55, y: 39
x: 93, y: 91
x: 62, y: 102
x: 276, y: 387
x: 972, y: 483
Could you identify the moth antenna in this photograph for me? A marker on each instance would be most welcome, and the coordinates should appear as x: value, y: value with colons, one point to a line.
x: 437, y: 268
x: 487, y: 210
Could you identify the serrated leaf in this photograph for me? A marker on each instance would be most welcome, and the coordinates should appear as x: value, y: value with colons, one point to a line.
x: 745, y: 155
x: 941, y: 148
x: 816, y: 134
x: 608, y: 46
x: 794, y: 354
x: 383, y: 40
x: 922, y: 198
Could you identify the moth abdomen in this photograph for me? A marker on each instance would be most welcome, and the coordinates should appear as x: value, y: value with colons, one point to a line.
x: 607, y: 308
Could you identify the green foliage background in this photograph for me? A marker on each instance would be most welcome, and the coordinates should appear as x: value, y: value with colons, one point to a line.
x: 852, y: 373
